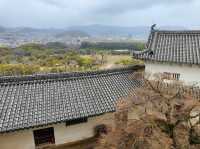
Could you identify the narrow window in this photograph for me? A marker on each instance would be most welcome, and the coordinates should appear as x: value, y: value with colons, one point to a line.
x: 76, y: 121
x: 44, y: 136
x: 171, y: 76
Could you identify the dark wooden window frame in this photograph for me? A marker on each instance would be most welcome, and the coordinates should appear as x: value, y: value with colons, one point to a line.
x: 44, y: 136
x: 77, y: 121
x: 171, y: 76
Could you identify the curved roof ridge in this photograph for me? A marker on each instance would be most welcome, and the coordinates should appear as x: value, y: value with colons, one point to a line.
x: 174, y: 46
x: 177, y: 31
x: 53, y: 76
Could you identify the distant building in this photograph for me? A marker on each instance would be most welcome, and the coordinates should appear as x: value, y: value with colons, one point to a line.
x: 121, y: 52
x: 174, y: 53
x: 59, y: 108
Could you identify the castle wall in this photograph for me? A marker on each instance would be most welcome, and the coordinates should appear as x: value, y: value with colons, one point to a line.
x: 189, y: 74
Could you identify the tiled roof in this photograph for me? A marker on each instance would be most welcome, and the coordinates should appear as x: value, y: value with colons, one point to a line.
x: 38, y: 100
x: 172, y: 46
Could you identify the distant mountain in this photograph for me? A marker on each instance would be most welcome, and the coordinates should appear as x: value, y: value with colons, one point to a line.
x: 28, y: 30
x: 2, y: 29
x: 59, y: 33
x: 72, y: 33
x: 140, y: 32
x: 103, y: 30
x: 137, y: 32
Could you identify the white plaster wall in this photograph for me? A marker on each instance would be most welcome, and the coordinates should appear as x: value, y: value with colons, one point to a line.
x: 66, y: 134
x: 63, y: 134
x: 17, y: 140
x: 189, y: 74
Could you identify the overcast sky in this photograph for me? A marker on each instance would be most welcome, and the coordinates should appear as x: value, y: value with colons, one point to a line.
x: 64, y: 13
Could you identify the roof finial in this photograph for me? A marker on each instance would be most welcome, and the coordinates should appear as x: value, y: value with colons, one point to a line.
x: 153, y: 27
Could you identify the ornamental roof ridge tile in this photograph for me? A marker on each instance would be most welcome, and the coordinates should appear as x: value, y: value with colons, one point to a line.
x: 177, y: 31
x: 70, y: 75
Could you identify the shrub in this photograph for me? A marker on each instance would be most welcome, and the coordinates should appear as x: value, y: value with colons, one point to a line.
x: 128, y: 61
x: 18, y: 69
x: 86, y: 61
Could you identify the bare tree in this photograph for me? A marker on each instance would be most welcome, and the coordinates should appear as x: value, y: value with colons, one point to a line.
x: 166, y: 117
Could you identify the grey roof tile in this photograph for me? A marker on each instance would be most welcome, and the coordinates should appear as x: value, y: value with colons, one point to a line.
x: 172, y: 46
x: 32, y: 101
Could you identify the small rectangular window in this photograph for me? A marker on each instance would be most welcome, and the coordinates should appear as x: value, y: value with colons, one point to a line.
x: 171, y: 76
x: 77, y: 121
x: 44, y: 136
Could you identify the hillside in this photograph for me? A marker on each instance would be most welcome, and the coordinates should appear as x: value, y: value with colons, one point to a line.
x: 72, y: 34
x: 137, y: 32
x: 103, y: 30
x: 14, y: 36
x: 113, y: 45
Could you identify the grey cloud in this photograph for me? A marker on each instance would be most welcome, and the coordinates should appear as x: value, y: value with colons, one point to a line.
x: 121, y: 6
x: 56, y: 3
x: 62, y: 13
x: 114, y: 6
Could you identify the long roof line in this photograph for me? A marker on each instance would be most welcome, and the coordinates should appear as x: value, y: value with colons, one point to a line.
x: 34, y: 101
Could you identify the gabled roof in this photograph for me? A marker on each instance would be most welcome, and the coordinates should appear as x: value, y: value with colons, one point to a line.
x: 38, y: 100
x: 172, y: 46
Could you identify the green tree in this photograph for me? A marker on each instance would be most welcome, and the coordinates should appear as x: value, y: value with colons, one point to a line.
x: 86, y: 61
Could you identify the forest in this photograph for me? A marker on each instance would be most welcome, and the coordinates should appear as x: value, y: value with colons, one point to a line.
x: 57, y: 57
x: 113, y: 45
